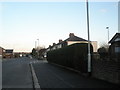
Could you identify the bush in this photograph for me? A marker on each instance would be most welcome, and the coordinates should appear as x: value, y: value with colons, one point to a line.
x: 74, y: 56
x: 103, y: 52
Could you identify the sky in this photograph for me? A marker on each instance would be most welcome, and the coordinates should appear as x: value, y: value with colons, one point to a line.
x: 22, y: 23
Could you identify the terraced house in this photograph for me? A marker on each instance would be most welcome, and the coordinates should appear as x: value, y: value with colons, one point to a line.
x: 71, y: 40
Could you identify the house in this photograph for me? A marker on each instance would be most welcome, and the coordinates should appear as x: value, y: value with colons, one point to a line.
x: 114, y: 48
x: 71, y: 40
x: 116, y: 38
x: 8, y: 53
x: 2, y: 50
x: 17, y: 54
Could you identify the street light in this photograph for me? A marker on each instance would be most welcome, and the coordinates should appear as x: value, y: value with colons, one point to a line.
x: 38, y: 48
x: 35, y: 44
x: 89, y: 54
x: 38, y: 42
x: 108, y: 32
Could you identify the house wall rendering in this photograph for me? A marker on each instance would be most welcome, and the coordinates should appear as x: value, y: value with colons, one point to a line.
x: 73, y: 42
x: 94, y: 44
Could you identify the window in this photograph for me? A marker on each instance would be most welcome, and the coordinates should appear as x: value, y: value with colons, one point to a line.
x: 117, y: 49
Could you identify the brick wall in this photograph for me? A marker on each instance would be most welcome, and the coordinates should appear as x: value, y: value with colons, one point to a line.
x: 1, y: 50
x: 106, y: 69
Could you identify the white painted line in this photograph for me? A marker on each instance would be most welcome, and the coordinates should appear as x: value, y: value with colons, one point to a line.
x: 35, y: 80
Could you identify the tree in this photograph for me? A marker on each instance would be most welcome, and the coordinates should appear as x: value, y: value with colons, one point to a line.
x: 37, y: 52
x: 103, y: 50
x: 105, y: 46
x: 34, y: 53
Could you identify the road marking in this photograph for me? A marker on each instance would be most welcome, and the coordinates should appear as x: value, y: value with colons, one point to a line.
x: 35, y: 80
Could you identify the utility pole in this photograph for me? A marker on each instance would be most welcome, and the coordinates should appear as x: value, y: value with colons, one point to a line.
x: 89, y: 54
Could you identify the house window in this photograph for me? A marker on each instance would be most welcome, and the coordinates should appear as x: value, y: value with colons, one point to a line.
x: 117, y: 49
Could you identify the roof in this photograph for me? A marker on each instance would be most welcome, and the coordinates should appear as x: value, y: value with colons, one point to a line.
x: 115, y: 38
x: 75, y: 38
x: 9, y: 50
x: 72, y: 37
x: 1, y: 47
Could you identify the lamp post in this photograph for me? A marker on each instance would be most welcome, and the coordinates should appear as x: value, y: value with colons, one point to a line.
x: 38, y: 48
x: 35, y: 44
x: 89, y: 54
x: 108, y: 32
x: 119, y: 16
x: 38, y: 42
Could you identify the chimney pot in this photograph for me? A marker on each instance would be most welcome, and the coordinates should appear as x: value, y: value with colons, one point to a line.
x: 71, y: 35
x: 60, y: 40
x: 53, y: 44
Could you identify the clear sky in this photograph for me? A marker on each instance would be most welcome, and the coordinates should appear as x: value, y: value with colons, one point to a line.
x: 22, y: 23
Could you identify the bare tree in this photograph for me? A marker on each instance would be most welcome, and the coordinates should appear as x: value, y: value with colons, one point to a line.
x: 40, y: 47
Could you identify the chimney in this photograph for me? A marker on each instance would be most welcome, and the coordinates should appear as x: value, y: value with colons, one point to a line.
x: 71, y: 35
x: 49, y: 46
x: 53, y: 44
x: 60, y: 40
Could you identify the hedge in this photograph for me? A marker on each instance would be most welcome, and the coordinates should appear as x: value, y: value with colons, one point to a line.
x: 74, y: 56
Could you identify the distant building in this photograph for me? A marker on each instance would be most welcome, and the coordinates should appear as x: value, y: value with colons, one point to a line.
x: 71, y: 40
x: 21, y: 54
x: 16, y: 54
x: 2, y: 50
x: 8, y: 53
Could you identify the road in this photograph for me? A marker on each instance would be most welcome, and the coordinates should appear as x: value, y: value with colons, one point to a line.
x: 52, y: 76
x: 16, y: 73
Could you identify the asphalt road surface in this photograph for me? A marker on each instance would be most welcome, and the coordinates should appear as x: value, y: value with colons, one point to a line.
x: 52, y: 76
x: 16, y: 73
